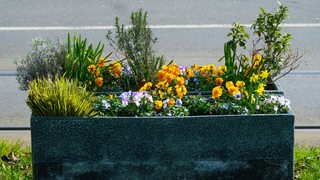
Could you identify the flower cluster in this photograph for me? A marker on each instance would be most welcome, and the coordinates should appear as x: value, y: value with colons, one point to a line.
x: 273, y: 104
x: 168, y: 91
x: 102, y: 73
x: 203, y: 77
x: 95, y: 71
x: 138, y: 104
x: 168, y: 97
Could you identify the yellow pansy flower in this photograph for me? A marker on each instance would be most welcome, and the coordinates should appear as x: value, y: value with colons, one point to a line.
x: 158, y: 104
x: 189, y: 73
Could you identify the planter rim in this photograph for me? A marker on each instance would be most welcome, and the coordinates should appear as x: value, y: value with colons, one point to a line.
x: 290, y: 113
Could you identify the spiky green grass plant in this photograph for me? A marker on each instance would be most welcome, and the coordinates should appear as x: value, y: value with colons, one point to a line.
x: 60, y: 97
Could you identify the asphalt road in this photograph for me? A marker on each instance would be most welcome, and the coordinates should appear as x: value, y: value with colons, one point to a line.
x: 198, y: 37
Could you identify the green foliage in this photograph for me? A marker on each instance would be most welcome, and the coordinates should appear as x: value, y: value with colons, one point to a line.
x: 79, y: 57
x: 59, y: 98
x: 44, y: 60
x: 270, y: 42
x: 201, y: 105
x: 307, y: 163
x: 197, y: 105
x: 15, y: 161
x: 274, y: 44
x: 135, y: 43
x: 239, y: 38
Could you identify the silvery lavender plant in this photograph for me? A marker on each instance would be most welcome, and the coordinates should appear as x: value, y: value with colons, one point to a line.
x: 45, y: 60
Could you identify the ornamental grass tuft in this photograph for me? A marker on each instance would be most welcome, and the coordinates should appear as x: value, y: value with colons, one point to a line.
x: 60, y: 97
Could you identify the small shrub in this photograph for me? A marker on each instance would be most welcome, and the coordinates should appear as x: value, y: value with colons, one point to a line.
x: 59, y: 98
x: 44, y: 60
x: 135, y: 44
x: 271, y: 48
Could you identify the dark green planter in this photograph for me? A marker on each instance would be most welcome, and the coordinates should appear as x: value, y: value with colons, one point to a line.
x: 199, y: 147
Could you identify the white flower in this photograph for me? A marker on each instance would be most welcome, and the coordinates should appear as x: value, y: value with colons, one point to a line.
x: 275, y: 107
x: 273, y: 98
x: 106, y: 104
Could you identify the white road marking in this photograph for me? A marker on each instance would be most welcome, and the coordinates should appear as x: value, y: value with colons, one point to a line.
x: 173, y: 26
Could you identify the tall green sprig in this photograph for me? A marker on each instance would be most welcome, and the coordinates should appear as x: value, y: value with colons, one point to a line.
x: 136, y: 44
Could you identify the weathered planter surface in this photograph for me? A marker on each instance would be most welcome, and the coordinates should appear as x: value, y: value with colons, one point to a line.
x: 200, y: 147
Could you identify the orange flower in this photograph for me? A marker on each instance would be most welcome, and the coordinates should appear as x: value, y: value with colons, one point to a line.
x: 180, y: 81
x: 171, y: 102
x: 92, y: 68
x: 216, y: 92
x: 102, y: 61
x: 97, y: 72
x: 240, y: 84
x: 233, y: 90
x: 175, y: 71
x: 169, y: 78
x: 229, y: 84
x: 99, y: 81
x: 116, y: 68
x: 189, y: 73
x: 181, y: 91
x: 219, y: 81
x: 161, y: 75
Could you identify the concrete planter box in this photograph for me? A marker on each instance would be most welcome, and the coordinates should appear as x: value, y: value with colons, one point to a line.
x: 195, y: 147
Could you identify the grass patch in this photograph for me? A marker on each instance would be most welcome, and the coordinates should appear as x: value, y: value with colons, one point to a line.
x: 16, y: 161
x: 307, y: 163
